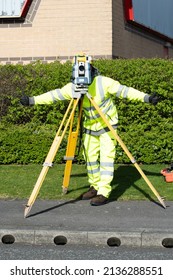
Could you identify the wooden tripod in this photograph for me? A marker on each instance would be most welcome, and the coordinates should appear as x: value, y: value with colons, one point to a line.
x: 71, y: 147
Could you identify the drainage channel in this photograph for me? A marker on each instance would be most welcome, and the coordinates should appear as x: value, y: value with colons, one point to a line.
x: 8, y: 239
x: 167, y: 242
x: 62, y: 240
x: 113, y: 242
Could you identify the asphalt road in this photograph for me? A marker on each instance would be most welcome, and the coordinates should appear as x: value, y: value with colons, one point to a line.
x: 133, y: 223
x: 82, y: 252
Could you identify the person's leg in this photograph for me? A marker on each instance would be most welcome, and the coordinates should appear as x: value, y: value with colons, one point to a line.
x: 107, y: 157
x: 91, y: 155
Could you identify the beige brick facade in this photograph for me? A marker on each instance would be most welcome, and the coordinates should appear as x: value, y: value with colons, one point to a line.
x: 58, y: 29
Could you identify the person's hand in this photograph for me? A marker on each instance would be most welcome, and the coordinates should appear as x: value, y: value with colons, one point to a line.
x: 24, y: 100
x: 154, y: 99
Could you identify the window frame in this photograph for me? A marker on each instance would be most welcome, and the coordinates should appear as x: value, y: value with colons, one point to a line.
x: 22, y: 14
x: 130, y: 20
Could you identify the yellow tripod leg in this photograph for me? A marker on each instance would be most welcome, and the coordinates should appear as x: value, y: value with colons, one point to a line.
x: 50, y: 157
x: 126, y: 150
x: 71, y: 148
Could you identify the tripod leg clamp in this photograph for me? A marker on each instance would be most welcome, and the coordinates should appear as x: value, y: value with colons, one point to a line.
x: 68, y: 158
x: 49, y: 164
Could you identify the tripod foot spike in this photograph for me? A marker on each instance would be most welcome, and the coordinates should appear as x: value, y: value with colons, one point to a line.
x: 64, y: 190
x: 27, y: 210
x: 163, y: 204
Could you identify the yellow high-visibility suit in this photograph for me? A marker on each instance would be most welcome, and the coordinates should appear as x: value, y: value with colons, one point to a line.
x: 99, y: 145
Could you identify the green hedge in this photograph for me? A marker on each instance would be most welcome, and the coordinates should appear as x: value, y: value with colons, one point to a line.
x: 27, y: 132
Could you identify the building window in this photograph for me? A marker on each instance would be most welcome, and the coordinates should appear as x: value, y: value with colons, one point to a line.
x: 14, y: 9
x: 154, y: 16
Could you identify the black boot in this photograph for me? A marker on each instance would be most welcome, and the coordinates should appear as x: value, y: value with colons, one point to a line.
x: 99, y: 200
x: 89, y: 194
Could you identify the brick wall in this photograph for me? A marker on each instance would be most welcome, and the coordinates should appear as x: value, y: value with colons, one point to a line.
x: 130, y: 42
x: 58, y: 30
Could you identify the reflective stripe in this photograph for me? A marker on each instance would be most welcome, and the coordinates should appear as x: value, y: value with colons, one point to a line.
x: 107, y: 173
x: 125, y: 92
x: 59, y: 94
x: 108, y: 108
x: 100, y: 86
x: 146, y: 98
x: 102, y: 104
x: 93, y: 171
x: 122, y: 90
x: 119, y: 91
x: 73, y: 90
x: 107, y: 164
x: 31, y: 101
x: 105, y: 102
x: 52, y: 96
x: 91, y: 163
x: 96, y: 116
x: 99, y: 132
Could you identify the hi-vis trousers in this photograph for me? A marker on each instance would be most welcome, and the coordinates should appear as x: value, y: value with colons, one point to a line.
x: 99, y: 153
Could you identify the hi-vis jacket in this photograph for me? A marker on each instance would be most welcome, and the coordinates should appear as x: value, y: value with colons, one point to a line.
x: 101, y: 90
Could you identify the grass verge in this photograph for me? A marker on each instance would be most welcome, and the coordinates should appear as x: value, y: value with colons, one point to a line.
x: 17, y: 181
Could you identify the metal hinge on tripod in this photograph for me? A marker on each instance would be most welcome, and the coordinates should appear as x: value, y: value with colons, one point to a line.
x: 68, y: 158
x: 48, y: 164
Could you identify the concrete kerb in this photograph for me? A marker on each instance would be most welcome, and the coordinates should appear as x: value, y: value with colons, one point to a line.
x: 141, y: 238
x: 8, y: 236
x: 157, y: 238
x: 60, y: 237
x: 112, y: 238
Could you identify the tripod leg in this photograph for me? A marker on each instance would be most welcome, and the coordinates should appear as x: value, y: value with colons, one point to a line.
x: 123, y: 146
x: 71, y: 148
x: 50, y: 156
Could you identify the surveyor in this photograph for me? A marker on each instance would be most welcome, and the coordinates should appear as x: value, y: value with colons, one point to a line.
x: 99, y: 143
